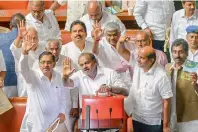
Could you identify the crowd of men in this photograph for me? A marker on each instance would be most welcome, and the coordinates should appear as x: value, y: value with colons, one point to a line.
x: 101, y: 58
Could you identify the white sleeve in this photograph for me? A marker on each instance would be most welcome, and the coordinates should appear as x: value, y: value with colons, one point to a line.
x: 74, y: 97
x: 139, y: 11
x: 62, y: 2
x: 173, y: 33
x: 116, y: 81
x: 75, y: 79
x: 24, y: 68
x: 16, y: 52
x: 2, y: 64
x: 164, y: 87
x: 63, y: 100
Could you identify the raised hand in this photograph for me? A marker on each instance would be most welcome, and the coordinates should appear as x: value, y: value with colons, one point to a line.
x: 123, y: 39
x: 28, y: 44
x: 22, y: 31
x: 97, y: 32
x: 67, y: 68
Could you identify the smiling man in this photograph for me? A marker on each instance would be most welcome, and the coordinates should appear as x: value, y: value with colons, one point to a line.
x: 46, y: 94
x: 92, y: 78
x: 184, y: 104
x: 43, y: 21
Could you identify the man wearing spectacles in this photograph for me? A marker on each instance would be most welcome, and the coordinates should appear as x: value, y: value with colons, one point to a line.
x: 143, y: 40
x: 43, y: 21
x: 46, y: 93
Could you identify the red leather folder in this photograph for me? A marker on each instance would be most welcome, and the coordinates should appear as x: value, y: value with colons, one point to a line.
x: 105, y: 111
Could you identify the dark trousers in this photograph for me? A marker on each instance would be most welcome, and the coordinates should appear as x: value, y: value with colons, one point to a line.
x: 140, y: 127
x: 158, y: 44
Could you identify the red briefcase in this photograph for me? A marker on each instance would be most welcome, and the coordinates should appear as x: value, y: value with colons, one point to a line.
x: 104, y: 112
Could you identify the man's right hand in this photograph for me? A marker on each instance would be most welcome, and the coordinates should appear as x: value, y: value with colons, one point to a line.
x: 67, y: 68
x: 28, y: 44
x: 74, y: 112
x: 97, y: 32
x: 22, y: 31
x: 148, y: 30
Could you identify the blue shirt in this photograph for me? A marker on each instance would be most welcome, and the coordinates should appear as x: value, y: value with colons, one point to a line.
x: 6, y: 40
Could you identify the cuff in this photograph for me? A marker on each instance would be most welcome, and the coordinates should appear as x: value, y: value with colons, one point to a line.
x: 144, y: 26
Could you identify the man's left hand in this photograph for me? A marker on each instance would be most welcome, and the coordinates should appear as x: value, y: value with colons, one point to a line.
x: 103, y: 89
x: 62, y: 117
x: 74, y: 112
x: 193, y: 78
x: 166, y: 129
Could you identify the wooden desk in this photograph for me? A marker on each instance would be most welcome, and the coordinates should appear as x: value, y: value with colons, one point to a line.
x: 5, y: 16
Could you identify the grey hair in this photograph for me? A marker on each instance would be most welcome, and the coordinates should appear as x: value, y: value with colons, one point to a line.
x: 179, y: 42
x: 99, y: 4
x: 58, y: 41
x: 42, y: 2
x: 111, y: 26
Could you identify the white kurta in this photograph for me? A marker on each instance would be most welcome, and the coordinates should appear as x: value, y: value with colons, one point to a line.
x: 48, y: 29
x: 145, y: 101
x: 110, y: 58
x: 46, y: 98
x: 180, y: 23
x: 33, y: 56
x: 106, y: 18
x: 58, y: 68
x: 87, y: 86
x: 154, y: 14
x: 193, y: 57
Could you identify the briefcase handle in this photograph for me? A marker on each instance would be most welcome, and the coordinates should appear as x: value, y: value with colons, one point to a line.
x: 108, y: 94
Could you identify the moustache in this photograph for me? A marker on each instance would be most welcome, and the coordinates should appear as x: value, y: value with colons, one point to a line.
x: 78, y: 36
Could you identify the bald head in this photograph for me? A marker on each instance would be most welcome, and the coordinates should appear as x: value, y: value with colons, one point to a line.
x: 148, y: 51
x: 146, y: 57
x: 38, y: 3
x: 94, y: 9
x: 142, y: 39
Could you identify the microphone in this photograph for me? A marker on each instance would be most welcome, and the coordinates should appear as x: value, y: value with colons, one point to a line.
x: 110, y: 111
x: 97, y: 118
x: 87, y: 126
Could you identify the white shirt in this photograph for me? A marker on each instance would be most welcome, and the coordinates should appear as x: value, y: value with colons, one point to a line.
x: 106, y: 18
x: 147, y: 93
x: 73, y: 52
x: 193, y: 57
x: 180, y: 23
x: 48, y: 29
x: 46, y: 98
x: 75, y: 10
x: 87, y: 86
x: 154, y: 14
x: 33, y: 56
x: 2, y: 64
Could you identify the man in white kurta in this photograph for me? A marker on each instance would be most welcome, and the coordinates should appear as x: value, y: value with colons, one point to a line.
x: 33, y: 55
x: 182, y: 19
x: 46, y: 93
x: 148, y: 101
x: 112, y: 51
x: 43, y: 21
x: 97, y: 14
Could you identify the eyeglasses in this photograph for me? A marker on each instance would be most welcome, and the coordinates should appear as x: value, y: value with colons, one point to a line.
x: 46, y: 62
x: 141, y: 41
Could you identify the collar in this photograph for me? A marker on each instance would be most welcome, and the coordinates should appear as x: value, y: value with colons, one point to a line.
x: 173, y: 67
x: 151, y: 71
x: 100, y: 71
x: 190, y: 52
x: 42, y: 76
x: 182, y: 14
x: 37, y: 21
